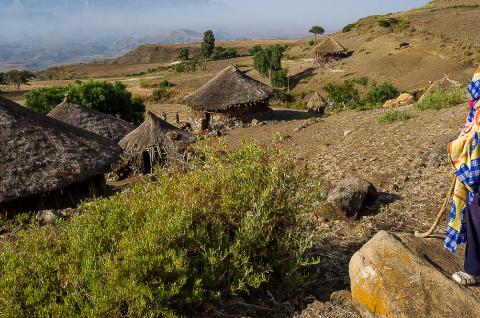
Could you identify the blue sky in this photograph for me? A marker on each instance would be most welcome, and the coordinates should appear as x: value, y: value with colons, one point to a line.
x: 69, y: 18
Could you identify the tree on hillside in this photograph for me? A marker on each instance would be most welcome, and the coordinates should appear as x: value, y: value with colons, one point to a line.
x: 317, y: 30
x: 2, y: 78
x: 108, y: 98
x: 184, y: 54
x: 208, y: 45
x: 268, y: 62
x: 17, y: 78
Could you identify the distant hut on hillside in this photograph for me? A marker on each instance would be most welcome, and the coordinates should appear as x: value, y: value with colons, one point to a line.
x: 48, y: 164
x: 99, y: 123
x: 317, y: 103
x: 329, y: 50
x: 230, y: 94
x: 154, y: 142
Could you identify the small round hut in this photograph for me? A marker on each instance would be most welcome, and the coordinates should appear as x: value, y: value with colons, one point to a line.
x: 154, y: 142
x: 99, y: 123
x: 316, y: 104
x: 48, y: 164
x: 230, y: 94
x: 329, y: 50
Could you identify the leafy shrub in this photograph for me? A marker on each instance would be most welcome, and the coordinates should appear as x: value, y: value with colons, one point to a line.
x: 342, y: 96
x: 220, y: 53
x: 441, y: 99
x: 187, y: 66
x: 311, y: 42
x: 184, y: 54
x: 231, y: 225
x: 108, y: 98
x: 43, y: 100
x: 388, y: 22
x: 395, y: 115
x: 283, y: 96
x: 279, y: 78
x: 162, y: 90
x: 349, y: 27
x: 379, y: 94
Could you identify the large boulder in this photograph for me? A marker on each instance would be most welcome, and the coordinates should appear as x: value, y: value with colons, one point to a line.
x: 400, y: 276
x: 352, y: 194
x: 444, y: 84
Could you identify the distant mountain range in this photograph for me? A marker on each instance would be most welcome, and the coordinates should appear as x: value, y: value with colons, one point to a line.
x: 38, y: 56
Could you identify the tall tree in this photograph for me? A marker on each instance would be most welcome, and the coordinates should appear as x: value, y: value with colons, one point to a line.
x: 208, y: 45
x: 268, y: 62
x: 317, y: 30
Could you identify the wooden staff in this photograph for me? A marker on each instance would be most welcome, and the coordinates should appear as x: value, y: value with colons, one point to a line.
x: 441, y: 212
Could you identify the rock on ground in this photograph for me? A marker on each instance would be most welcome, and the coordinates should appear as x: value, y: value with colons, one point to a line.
x: 400, y: 276
x: 402, y: 100
x: 352, y: 194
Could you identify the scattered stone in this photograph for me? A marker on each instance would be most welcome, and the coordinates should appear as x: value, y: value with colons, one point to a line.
x: 402, y: 100
x: 254, y: 122
x: 49, y: 216
x: 347, y: 132
x: 352, y: 194
x: 398, y: 275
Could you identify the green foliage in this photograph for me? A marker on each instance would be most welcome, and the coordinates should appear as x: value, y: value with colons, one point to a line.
x: 108, y: 98
x: 229, y: 225
x: 349, y: 27
x: 162, y: 90
x: 184, y: 54
x: 187, y: 66
x: 17, y: 78
x: 394, y: 116
x: 279, y: 78
x: 311, y: 42
x: 388, y: 22
x: 268, y: 62
x: 283, y: 96
x: 317, y: 30
x: 43, y: 100
x: 379, y: 94
x: 346, y: 95
x: 441, y: 99
x: 2, y: 79
x: 343, y: 96
x: 221, y: 53
x: 208, y: 44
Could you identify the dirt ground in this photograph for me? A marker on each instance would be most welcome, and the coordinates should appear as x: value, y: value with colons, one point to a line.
x: 406, y: 161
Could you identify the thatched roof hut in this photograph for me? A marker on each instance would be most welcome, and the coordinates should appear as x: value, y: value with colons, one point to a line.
x: 329, y: 46
x: 316, y: 103
x: 99, y: 123
x: 230, y: 90
x: 45, y: 163
x: 154, y: 142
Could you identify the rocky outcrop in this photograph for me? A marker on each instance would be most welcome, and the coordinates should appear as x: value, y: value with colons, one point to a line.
x: 402, y: 100
x: 351, y: 195
x: 400, y: 276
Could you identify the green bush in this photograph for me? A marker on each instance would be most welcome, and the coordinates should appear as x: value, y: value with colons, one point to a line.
x: 162, y: 90
x: 232, y: 223
x: 395, y: 115
x: 379, y: 94
x: 220, y: 53
x: 311, y: 42
x: 388, y: 22
x: 108, y: 98
x: 343, y: 96
x: 279, y: 78
x: 349, y: 27
x: 441, y: 99
x: 184, y: 54
x: 43, y: 100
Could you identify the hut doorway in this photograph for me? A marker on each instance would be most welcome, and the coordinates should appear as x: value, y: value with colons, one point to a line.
x: 147, y: 162
x: 206, y: 122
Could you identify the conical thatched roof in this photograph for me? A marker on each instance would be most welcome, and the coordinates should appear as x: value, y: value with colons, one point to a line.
x: 329, y: 46
x: 41, y: 154
x: 316, y: 102
x: 102, y: 124
x: 154, y: 132
x: 231, y: 88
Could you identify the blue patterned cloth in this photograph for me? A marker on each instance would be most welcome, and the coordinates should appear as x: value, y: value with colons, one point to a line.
x: 474, y: 90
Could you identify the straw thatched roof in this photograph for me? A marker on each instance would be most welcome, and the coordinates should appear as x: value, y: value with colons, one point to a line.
x: 102, y: 124
x: 155, y: 132
x: 41, y: 154
x: 231, y: 88
x: 329, y: 46
x: 316, y: 103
